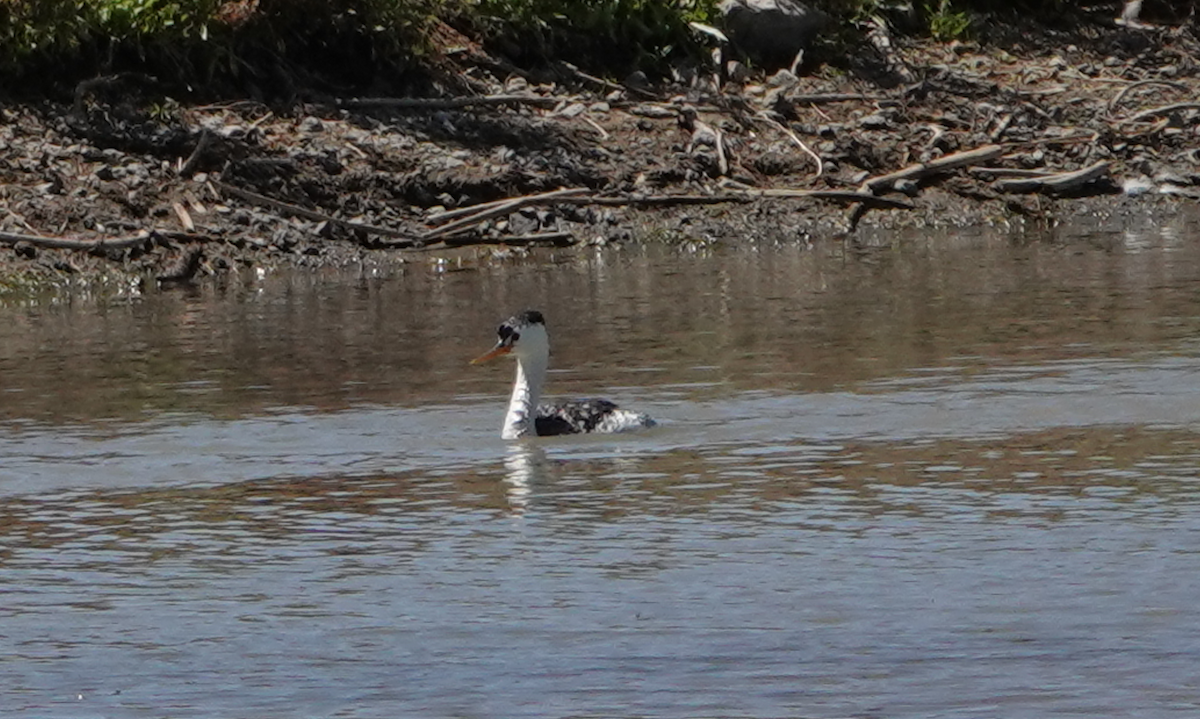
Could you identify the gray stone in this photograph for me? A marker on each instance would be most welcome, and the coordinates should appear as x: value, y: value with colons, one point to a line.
x: 874, y: 122
x: 771, y: 32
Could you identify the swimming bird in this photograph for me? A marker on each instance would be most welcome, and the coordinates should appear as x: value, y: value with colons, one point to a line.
x: 524, y: 336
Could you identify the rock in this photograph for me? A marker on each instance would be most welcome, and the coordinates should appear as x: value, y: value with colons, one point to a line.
x: 784, y: 79
x: 573, y: 110
x: 770, y: 32
x: 1135, y: 186
x: 874, y: 122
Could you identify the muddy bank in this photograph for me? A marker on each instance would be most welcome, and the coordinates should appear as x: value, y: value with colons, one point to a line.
x: 126, y: 185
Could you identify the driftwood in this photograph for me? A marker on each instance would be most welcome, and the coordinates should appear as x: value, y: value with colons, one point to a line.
x: 933, y: 167
x: 286, y: 208
x: 448, y: 103
x: 1060, y: 182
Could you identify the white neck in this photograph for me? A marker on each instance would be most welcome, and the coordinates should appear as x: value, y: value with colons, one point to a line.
x: 527, y: 391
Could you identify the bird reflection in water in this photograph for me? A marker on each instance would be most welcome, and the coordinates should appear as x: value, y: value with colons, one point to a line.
x: 525, y: 466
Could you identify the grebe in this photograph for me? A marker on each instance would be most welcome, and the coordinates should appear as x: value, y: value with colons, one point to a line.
x: 524, y: 337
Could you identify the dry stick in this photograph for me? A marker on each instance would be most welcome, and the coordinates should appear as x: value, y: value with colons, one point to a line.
x: 1060, y: 140
x: 1112, y: 104
x: 596, y: 126
x: 450, y: 103
x: 1001, y: 128
x: 883, y: 182
x: 467, y: 225
x: 473, y: 209
x: 297, y: 211
x: 63, y: 243
x: 495, y: 209
x: 185, y: 218
x: 605, y: 83
x: 1054, y: 183
x: 1163, y: 110
x: 1009, y: 172
x: 794, y: 138
x: 748, y: 196
x: 949, y: 162
x: 188, y: 167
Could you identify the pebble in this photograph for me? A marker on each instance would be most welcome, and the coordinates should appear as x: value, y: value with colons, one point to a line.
x: 874, y: 122
x: 1133, y: 187
x: 575, y: 109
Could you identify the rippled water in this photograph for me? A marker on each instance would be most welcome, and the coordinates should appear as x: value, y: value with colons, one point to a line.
x: 926, y: 476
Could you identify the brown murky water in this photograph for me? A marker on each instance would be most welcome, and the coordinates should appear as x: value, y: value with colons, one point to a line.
x: 945, y: 475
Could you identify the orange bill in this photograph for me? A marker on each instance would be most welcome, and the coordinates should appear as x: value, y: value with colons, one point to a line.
x: 497, y: 351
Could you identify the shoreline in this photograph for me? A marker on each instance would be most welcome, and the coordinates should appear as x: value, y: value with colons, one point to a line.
x: 127, y: 186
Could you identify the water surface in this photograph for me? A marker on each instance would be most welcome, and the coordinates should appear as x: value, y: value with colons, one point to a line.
x: 923, y: 476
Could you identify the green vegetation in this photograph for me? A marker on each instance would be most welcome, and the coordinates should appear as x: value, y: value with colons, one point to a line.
x: 207, y: 41
x: 255, y: 42
x: 946, y: 23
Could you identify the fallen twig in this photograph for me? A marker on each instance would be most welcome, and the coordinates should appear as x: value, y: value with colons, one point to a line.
x: 736, y: 197
x: 762, y: 116
x: 495, y: 209
x: 595, y: 126
x: 933, y: 167
x: 184, y: 216
x: 448, y: 103
x: 285, y: 208
x: 606, y: 84
x: 1056, y: 140
x: 1059, y: 182
x: 189, y: 166
x: 1112, y: 104
x: 473, y: 209
x: 572, y: 197
x: 1162, y: 110
x: 65, y: 243
x: 1009, y: 172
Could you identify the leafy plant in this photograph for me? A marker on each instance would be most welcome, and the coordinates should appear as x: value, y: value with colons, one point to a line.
x: 946, y: 23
